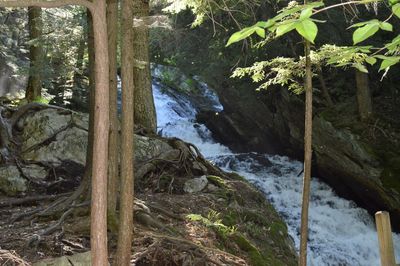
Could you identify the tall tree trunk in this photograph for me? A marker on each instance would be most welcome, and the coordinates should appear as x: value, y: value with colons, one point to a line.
x: 145, y: 112
x: 307, y: 157
x: 34, y: 89
x: 77, y: 92
x: 364, y: 99
x: 113, y: 145
x: 98, y: 221
x: 123, y: 255
x: 91, y: 96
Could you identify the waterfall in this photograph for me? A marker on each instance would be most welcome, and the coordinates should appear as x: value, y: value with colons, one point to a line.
x: 340, y: 233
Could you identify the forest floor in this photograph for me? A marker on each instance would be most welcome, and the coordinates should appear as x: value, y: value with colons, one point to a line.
x: 228, y: 224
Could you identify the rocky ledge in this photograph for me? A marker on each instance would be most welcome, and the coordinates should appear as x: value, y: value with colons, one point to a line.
x: 187, y: 211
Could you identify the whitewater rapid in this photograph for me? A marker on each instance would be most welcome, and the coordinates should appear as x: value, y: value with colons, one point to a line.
x: 340, y: 233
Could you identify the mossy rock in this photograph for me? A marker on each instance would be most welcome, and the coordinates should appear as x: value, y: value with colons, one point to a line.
x: 217, y: 181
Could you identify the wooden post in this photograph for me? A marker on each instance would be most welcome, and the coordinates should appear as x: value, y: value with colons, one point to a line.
x: 385, y: 238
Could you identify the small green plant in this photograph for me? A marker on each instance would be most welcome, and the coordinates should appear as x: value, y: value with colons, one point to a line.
x: 41, y: 100
x: 214, y: 221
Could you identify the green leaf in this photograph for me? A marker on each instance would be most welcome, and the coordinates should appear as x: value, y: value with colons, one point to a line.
x: 307, y: 29
x: 386, y: 26
x: 265, y: 24
x: 394, y: 44
x: 306, y: 13
x: 285, y: 28
x: 365, y: 32
x: 240, y: 35
x: 396, y: 9
x: 260, y: 32
x: 360, y: 67
x: 371, y: 60
x: 388, y: 62
x: 393, y: 2
x: 360, y: 24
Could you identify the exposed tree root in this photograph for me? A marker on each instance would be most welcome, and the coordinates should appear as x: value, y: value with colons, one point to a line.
x: 58, y: 225
x: 11, y: 258
x: 177, y: 251
x: 29, y: 200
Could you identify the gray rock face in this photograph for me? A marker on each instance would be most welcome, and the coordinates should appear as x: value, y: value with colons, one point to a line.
x: 147, y: 148
x: 55, y: 138
x: 52, y: 137
x: 11, y: 180
x: 195, y: 185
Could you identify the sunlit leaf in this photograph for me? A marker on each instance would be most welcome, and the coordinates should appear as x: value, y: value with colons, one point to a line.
x: 285, y: 28
x: 371, y: 60
x: 306, y: 13
x: 365, y: 32
x: 360, y: 67
x: 265, y: 24
x: 388, y: 62
x: 396, y: 9
x: 308, y: 29
x: 260, y: 32
x: 240, y: 35
x: 386, y: 26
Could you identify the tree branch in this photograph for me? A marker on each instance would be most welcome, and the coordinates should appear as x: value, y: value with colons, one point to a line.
x: 46, y: 3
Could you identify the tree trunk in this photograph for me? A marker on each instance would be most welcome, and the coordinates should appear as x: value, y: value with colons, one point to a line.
x: 33, y: 91
x: 98, y: 220
x: 307, y: 158
x: 113, y: 146
x: 77, y: 92
x: 145, y: 112
x: 364, y: 99
x: 123, y: 255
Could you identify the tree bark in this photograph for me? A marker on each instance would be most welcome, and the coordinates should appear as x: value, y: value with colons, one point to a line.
x: 123, y: 255
x: 113, y: 146
x: 364, y: 99
x: 145, y: 112
x: 35, y: 25
x: 98, y: 221
x: 307, y: 158
x: 77, y: 93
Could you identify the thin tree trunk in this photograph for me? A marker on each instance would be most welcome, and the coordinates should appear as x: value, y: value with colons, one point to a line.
x: 307, y: 158
x: 123, y: 255
x: 100, y: 143
x: 113, y: 145
x: 145, y: 112
x: 364, y: 99
x: 91, y: 96
x: 34, y: 89
x: 76, y: 100
x: 98, y: 221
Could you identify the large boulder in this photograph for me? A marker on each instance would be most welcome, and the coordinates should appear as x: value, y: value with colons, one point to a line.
x: 56, y: 139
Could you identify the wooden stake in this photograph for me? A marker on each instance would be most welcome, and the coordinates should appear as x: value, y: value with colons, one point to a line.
x: 385, y: 238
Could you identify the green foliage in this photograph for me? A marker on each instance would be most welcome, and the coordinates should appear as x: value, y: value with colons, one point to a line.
x: 41, y: 100
x: 288, y: 71
x: 368, y: 29
x: 214, y: 221
x: 293, y: 17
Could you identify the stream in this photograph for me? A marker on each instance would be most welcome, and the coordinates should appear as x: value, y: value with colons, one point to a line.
x: 340, y: 232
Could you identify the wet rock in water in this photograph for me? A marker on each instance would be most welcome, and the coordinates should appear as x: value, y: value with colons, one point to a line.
x: 11, y: 180
x: 195, y: 185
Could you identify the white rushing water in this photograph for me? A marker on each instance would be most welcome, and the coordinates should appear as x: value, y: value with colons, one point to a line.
x: 340, y: 232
